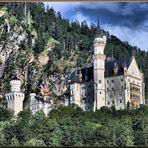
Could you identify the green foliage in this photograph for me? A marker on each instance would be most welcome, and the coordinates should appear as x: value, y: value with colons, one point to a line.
x: 34, y: 142
x: 70, y: 126
x: 13, y: 19
x: 14, y: 142
x: 29, y: 50
x: 52, y: 42
x: 5, y: 114
x: 3, y: 9
x: 3, y: 126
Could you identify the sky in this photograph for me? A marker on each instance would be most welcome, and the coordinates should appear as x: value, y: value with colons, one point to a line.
x: 126, y: 20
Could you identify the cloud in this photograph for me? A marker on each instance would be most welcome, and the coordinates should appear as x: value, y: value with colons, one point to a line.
x: 130, y: 14
x: 126, y: 20
x: 134, y: 37
x: 63, y: 7
x: 80, y: 17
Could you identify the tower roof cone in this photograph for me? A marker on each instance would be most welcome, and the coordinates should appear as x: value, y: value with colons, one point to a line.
x: 99, y: 33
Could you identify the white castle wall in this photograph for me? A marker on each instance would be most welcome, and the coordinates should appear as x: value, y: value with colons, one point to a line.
x: 115, y: 91
x: 15, y: 97
x: 36, y: 105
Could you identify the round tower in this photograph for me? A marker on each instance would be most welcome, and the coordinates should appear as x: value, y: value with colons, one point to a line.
x: 15, y: 97
x: 15, y: 84
x: 99, y: 44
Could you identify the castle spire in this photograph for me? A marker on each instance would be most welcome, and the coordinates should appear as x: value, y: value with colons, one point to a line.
x: 115, y: 64
x: 98, y: 25
x: 80, y: 75
x: 99, y: 33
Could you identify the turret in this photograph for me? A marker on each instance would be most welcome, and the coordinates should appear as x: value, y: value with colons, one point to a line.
x: 116, y: 68
x: 99, y: 41
x: 15, y: 84
x: 32, y: 96
x: 112, y: 56
x: 125, y: 66
x: 80, y: 75
x: 15, y: 97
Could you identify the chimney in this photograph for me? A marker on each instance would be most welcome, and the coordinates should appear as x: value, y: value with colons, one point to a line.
x: 116, y: 68
x: 86, y: 75
x: 80, y: 75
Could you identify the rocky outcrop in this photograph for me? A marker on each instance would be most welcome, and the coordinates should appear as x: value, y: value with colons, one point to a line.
x: 16, y: 57
x: 12, y: 36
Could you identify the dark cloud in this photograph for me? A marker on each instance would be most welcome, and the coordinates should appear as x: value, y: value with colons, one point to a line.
x: 131, y: 15
x: 127, y: 20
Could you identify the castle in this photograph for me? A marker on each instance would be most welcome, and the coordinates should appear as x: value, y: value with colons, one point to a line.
x: 16, y: 97
x: 108, y: 82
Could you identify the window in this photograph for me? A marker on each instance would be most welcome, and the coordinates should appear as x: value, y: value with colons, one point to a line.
x: 112, y: 89
x: 107, y: 81
x: 99, y: 81
x: 83, y: 87
x: 108, y: 103
x: 100, y: 92
x: 71, y: 92
x: 121, y: 87
x: 120, y: 101
x: 112, y: 81
x: 120, y: 94
x: 72, y: 98
x: 113, y: 102
x: 121, y: 79
x: 107, y: 88
x: 110, y: 95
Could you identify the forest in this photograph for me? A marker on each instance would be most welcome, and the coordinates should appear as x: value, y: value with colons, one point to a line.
x: 70, y: 126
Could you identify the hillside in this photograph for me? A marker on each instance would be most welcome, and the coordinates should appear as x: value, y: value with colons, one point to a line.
x: 39, y: 46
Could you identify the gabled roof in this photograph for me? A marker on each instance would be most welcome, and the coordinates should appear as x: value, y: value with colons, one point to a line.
x: 88, y: 71
x: 109, y: 66
x: 109, y: 70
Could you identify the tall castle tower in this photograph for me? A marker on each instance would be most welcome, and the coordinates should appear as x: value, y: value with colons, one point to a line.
x: 99, y: 68
x: 15, y: 97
